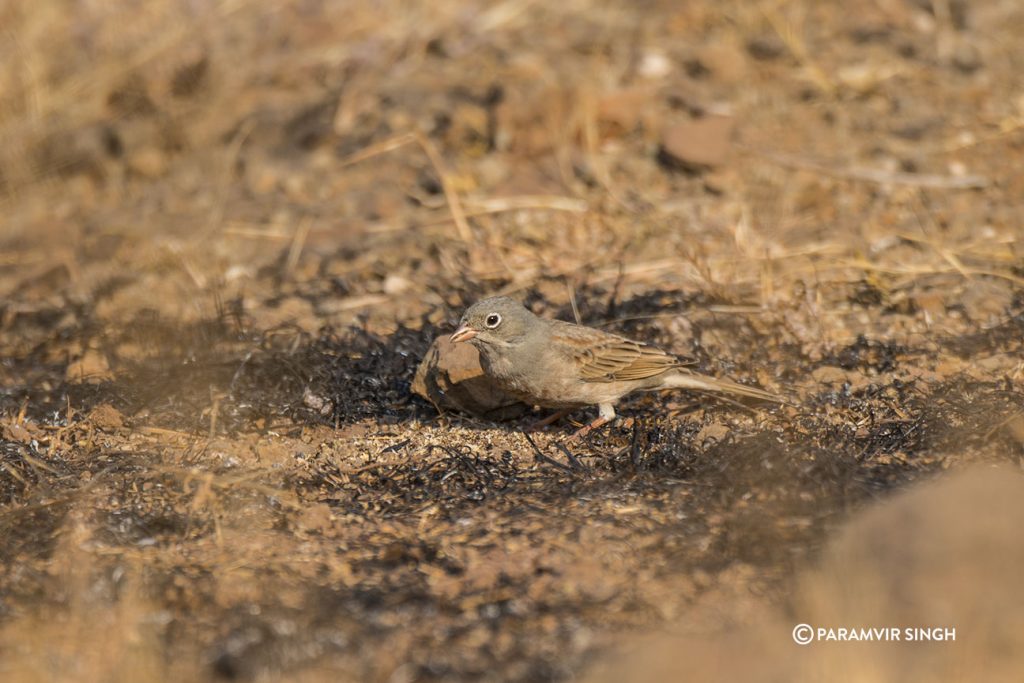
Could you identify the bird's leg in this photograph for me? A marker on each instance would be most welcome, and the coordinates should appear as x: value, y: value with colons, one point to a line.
x: 550, y: 419
x: 587, y: 428
x: 605, y: 414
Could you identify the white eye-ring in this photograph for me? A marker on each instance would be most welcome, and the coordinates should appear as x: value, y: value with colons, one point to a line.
x: 493, y: 320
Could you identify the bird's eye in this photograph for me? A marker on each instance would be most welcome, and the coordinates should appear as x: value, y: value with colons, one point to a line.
x: 493, y: 320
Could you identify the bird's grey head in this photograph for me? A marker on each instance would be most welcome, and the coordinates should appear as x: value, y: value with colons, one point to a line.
x: 498, y: 321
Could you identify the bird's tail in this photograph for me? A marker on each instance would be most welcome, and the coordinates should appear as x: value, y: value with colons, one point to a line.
x: 691, y: 380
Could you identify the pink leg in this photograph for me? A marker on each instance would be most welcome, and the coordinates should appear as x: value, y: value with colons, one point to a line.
x: 605, y: 415
x: 587, y: 428
x: 550, y: 419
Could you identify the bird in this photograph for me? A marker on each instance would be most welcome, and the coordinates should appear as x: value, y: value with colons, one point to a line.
x: 564, y: 366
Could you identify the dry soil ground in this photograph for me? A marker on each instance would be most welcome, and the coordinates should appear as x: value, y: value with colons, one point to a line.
x: 231, y: 229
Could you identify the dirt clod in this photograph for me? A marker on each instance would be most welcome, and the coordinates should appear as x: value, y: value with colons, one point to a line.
x: 450, y: 377
x: 236, y: 235
x: 91, y: 367
x: 699, y: 144
x: 106, y: 417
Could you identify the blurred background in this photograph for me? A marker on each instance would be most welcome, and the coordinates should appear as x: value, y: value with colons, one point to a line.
x: 230, y: 230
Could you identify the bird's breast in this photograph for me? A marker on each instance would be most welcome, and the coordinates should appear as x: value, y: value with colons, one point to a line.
x: 537, y: 376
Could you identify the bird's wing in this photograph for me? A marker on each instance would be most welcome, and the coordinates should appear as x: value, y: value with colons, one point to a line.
x: 603, y: 357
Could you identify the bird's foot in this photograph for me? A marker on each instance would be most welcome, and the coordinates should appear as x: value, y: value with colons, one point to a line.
x: 587, y: 428
x: 550, y: 419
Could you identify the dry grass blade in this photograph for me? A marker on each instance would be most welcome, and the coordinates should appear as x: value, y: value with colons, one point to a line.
x: 869, y: 175
x: 428, y: 147
x: 378, y: 148
x: 870, y: 266
x: 540, y: 202
x: 542, y: 457
x: 454, y: 204
x: 797, y: 46
x: 298, y: 242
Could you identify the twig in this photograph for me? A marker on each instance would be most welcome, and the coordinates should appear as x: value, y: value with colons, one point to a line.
x: 493, y: 206
x: 160, y: 431
x: 924, y: 270
x: 216, y: 216
x: 241, y: 230
x: 634, y: 447
x: 540, y: 455
x: 870, y: 175
x: 1002, y: 423
x: 428, y: 147
x: 573, y: 460
x: 382, y: 147
x: 502, y: 14
x: 458, y: 215
x: 732, y: 402
x: 37, y: 463
x: 1006, y: 128
x: 198, y: 279
x: 14, y: 473
x: 298, y: 242
x: 572, y: 302
x: 798, y: 49
x: 528, y: 201
x: 214, y: 413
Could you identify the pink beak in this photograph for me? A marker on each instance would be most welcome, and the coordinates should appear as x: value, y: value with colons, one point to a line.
x: 464, y: 333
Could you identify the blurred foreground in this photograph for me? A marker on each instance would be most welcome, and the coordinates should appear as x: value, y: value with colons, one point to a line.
x: 231, y: 230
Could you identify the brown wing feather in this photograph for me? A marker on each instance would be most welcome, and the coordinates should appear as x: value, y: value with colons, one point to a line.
x: 604, y: 357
